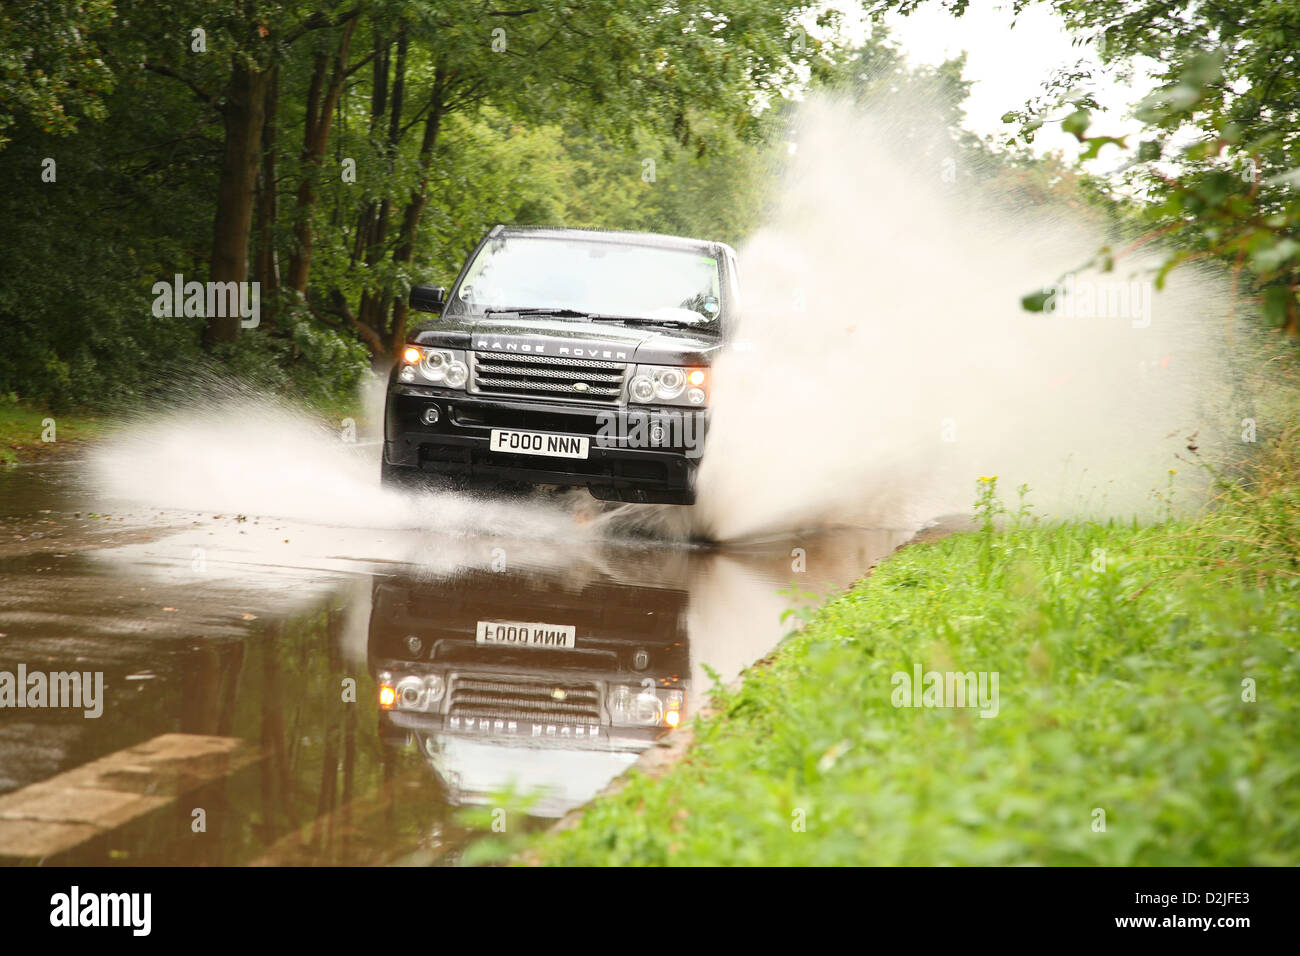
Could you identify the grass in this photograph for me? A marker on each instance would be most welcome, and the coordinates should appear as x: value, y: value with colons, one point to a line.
x: 1148, y: 707
x: 22, y: 428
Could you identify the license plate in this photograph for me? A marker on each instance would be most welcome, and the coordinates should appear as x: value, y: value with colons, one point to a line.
x: 525, y: 634
x: 511, y: 442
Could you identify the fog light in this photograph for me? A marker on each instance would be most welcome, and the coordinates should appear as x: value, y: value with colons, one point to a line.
x: 407, y: 374
x: 430, y: 415
x: 695, y: 396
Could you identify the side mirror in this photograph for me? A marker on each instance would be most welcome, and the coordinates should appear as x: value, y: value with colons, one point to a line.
x: 428, y: 298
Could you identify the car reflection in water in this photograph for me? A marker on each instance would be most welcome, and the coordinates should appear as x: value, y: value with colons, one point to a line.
x: 535, y: 683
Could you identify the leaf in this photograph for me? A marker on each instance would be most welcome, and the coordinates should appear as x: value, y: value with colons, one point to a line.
x: 1077, y: 123
x: 1203, y: 69
x: 1148, y: 150
x: 1275, y: 255
x: 1275, y: 303
x: 1035, y: 301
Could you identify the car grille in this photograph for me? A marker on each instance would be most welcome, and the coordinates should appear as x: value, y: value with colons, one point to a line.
x: 512, y: 698
x: 548, y: 376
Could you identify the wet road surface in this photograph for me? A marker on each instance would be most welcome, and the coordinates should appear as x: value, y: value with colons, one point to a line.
x: 383, y: 680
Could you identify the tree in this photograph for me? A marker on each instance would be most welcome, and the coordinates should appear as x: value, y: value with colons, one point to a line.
x: 51, y: 66
x: 612, y: 69
x: 226, y: 56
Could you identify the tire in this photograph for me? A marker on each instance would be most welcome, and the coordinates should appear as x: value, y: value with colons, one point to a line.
x: 395, y: 476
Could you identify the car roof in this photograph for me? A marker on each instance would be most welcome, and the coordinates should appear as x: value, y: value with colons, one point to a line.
x: 609, y: 235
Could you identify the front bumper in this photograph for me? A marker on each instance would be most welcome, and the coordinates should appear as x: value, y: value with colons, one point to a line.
x: 625, y: 462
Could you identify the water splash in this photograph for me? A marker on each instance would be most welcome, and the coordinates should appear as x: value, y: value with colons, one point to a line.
x: 886, y: 363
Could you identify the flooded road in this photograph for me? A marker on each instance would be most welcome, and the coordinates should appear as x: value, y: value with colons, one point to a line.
x: 378, y: 682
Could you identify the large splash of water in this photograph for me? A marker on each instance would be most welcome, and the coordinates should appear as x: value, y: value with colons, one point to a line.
x: 245, y: 452
x: 884, y: 364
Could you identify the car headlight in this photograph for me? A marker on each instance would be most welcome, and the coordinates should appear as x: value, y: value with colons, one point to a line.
x: 642, y: 388
x: 414, y: 692
x: 444, y: 367
x: 668, y: 385
x: 631, y: 706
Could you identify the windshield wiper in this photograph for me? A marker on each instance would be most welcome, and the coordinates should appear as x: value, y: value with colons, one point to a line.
x: 573, y: 313
x: 601, y: 317
x: 645, y: 320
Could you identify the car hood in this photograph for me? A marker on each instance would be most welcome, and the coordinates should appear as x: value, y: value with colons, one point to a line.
x: 568, y: 338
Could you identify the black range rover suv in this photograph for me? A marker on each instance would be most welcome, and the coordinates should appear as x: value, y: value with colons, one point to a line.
x: 569, y: 357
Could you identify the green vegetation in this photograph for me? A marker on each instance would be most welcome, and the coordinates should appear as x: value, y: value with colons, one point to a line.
x: 1144, y: 672
x: 22, y: 427
x: 337, y: 152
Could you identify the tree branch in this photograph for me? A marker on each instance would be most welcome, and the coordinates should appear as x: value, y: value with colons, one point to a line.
x: 208, y: 99
x: 319, y: 21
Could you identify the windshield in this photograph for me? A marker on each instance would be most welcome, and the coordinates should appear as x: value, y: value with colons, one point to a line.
x: 650, y: 283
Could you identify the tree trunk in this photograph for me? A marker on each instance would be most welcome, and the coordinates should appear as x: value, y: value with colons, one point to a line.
x: 243, y: 115
x: 267, y: 268
x: 410, y: 230
x: 316, y: 134
x: 374, y: 230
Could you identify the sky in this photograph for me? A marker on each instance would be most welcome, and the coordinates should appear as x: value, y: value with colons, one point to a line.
x: 1008, y: 59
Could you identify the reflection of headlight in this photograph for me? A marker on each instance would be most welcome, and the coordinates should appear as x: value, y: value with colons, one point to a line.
x: 666, y: 384
x: 414, y: 692
x: 445, y: 367
x: 644, y: 707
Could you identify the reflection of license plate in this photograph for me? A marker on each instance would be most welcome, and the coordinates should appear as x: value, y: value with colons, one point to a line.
x: 538, y: 443
x: 520, y: 634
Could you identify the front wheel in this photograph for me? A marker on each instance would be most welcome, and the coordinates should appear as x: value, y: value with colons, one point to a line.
x: 402, y: 478
x: 395, y: 476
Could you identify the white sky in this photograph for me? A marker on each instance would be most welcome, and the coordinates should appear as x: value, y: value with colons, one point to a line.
x: 1008, y: 66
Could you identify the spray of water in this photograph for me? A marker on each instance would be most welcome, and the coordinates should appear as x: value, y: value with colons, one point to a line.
x: 884, y: 364
x: 245, y: 452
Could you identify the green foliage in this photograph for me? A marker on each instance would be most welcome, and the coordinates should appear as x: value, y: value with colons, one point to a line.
x: 1123, y: 656
x: 22, y: 428
x: 51, y: 67
x: 548, y: 113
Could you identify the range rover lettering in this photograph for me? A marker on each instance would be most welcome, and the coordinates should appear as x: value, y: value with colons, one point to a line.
x: 570, y: 357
